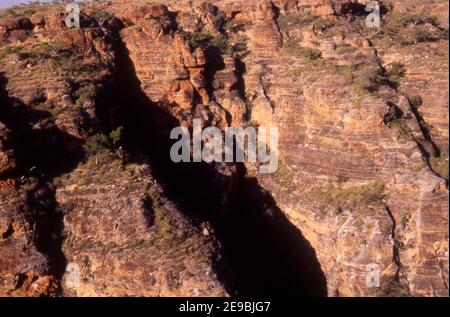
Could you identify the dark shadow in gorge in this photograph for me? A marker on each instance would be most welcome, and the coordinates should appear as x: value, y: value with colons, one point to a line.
x: 42, y: 154
x: 270, y: 255
x: 266, y: 253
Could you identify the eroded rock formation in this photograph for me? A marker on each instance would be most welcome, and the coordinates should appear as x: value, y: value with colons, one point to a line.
x: 91, y: 206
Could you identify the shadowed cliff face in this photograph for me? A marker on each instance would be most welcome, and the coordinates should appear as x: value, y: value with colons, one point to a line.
x: 264, y: 254
x: 35, y: 217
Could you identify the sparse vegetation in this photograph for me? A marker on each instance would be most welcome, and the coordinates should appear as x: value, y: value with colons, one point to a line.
x: 66, y: 62
x: 402, y: 132
x: 295, y: 21
x: 440, y: 164
x: 169, y: 230
x: 8, y: 50
x: 404, y: 220
x: 415, y: 168
x: 361, y: 199
x: 86, y: 92
x: 295, y: 49
x: 421, y: 35
x: 101, y: 15
x: 96, y: 144
x: 201, y: 39
x: 341, y: 179
x: 196, y: 39
x: 49, y: 107
x: 116, y: 135
x: 368, y: 77
x: 409, y: 19
x: 395, y: 71
x: 357, y: 103
x: 345, y: 49
x: 221, y: 42
x: 29, y: 54
x: 415, y: 101
x: 285, y: 177
x: 406, y: 28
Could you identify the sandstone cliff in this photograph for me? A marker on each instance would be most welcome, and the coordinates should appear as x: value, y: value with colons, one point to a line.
x: 92, y: 206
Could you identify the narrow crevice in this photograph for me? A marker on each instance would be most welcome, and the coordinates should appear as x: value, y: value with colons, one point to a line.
x: 425, y: 144
x: 276, y: 11
x: 241, y: 69
x: 395, y: 250
x: 214, y: 63
x: 424, y: 129
x: 264, y: 87
x: 432, y: 150
x: 442, y: 270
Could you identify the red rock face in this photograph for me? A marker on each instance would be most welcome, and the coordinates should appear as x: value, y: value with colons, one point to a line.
x: 90, y: 205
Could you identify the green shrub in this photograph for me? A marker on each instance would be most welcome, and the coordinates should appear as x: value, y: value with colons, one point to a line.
x: 44, y: 50
x: 408, y: 19
x: 341, y: 179
x: 402, y: 131
x: 116, y: 135
x: 440, y: 164
x: 101, y: 15
x: 221, y: 42
x: 33, y: 54
x: 196, y: 39
x: 10, y: 50
x: 295, y: 49
x: 219, y: 19
x: 86, y: 92
x: 203, y: 40
x: 229, y: 26
x: 421, y: 35
x: 322, y: 24
x: 284, y: 176
x: 48, y: 106
x: 290, y: 21
x: 169, y: 230
x: 311, y: 54
x: 66, y: 62
x: 368, y: 77
x: 345, y: 49
x: 345, y: 70
x: 396, y: 70
x: 97, y: 144
x: 415, y: 101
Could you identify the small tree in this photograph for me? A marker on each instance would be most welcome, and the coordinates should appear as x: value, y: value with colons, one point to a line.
x: 116, y: 135
x: 96, y: 144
